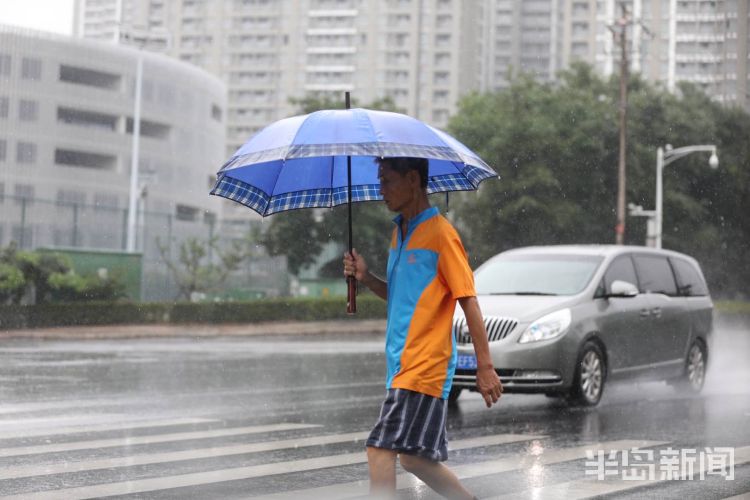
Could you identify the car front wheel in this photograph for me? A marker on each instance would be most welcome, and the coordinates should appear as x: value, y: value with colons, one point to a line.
x: 695, y: 369
x: 588, y: 384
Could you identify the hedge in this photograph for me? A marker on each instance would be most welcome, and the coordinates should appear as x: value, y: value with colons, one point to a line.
x: 733, y: 307
x: 298, y: 309
x: 100, y: 313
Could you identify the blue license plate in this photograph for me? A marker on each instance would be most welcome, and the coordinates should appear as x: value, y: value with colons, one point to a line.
x: 467, y: 362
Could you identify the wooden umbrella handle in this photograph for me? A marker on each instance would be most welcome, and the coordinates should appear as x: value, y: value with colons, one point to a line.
x: 351, y: 303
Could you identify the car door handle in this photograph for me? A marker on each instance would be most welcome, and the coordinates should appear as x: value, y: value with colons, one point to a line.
x: 645, y: 313
x: 656, y: 311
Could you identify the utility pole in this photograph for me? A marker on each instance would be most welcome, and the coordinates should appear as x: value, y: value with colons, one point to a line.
x: 620, y: 36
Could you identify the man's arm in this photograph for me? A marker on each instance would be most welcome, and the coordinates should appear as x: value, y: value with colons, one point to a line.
x: 355, y: 265
x: 488, y: 383
x: 378, y: 286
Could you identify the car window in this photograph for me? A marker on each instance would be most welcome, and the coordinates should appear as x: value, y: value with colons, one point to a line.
x: 536, y: 274
x: 655, y: 275
x: 621, y: 269
x: 689, y: 280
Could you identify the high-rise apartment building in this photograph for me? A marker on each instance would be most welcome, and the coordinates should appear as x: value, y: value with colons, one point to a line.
x: 421, y: 53
x: 705, y: 42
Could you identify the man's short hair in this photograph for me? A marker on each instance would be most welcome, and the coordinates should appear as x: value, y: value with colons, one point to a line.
x: 403, y: 164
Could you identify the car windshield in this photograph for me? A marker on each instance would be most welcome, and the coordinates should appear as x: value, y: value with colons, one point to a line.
x: 536, y: 274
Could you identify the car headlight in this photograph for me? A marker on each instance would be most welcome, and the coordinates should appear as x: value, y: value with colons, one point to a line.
x: 547, y: 327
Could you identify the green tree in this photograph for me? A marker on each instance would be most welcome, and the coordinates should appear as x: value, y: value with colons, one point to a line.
x: 547, y: 145
x: 555, y: 148
x: 294, y: 234
x: 371, y: 228
x: 195, y: 271
x: 12, y: 283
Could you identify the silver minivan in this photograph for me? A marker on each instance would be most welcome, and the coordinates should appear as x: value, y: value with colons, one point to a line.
x: 563, y: 320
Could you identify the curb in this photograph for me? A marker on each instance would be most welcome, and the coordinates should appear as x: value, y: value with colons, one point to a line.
x: 201, y: 330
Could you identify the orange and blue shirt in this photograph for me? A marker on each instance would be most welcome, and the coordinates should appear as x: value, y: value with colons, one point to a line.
x: 427, y: 272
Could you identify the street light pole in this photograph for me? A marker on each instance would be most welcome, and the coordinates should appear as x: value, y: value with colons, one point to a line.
x: 134, y: 160
x: 659, y: 190
x: 664, y: 158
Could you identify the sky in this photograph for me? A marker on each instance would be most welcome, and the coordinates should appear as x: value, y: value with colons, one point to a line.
x: 44, y: 15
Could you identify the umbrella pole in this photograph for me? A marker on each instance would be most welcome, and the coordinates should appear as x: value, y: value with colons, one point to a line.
x: 351, y: 282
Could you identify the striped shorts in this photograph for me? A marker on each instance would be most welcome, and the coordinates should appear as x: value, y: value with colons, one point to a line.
x: 412, y: 423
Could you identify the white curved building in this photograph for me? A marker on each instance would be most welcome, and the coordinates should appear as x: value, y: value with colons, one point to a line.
x: 66, y: 143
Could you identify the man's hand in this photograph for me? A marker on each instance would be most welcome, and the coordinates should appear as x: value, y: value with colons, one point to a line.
x: 355, y: 265
x: 489, y: 385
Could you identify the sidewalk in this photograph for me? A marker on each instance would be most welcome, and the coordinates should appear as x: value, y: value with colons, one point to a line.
x: 200, y: 330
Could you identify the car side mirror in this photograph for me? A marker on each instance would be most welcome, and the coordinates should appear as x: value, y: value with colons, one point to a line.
x: 622, y: 289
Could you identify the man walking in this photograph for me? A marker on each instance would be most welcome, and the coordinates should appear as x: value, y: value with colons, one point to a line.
x: 428, y: 272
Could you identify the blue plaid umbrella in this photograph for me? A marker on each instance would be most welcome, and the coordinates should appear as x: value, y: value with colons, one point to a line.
x: 301, y: 162
x: 326, y: 158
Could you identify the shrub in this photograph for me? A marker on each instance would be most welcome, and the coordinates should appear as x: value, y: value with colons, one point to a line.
x: 50, y: 278
x: 108, y: 313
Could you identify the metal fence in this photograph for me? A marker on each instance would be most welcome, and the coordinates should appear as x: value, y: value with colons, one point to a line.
x: 34, y: 223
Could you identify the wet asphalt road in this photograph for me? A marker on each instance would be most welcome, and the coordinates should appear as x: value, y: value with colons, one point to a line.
x: 287, y: 416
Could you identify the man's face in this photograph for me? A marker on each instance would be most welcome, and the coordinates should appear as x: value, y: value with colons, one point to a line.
x: 398, y: 190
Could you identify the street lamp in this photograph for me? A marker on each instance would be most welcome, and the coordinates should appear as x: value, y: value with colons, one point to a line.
x: 663, y: 158
x: 638, y: 211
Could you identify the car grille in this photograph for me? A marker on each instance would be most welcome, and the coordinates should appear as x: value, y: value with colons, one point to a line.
x: 497, y: 328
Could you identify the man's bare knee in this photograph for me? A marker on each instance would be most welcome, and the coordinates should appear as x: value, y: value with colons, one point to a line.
x: 380, y: 455
x: 412, y: 463
x: 382, y: 465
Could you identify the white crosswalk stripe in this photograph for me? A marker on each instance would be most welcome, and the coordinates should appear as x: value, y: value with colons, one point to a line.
x: 138, y: 440
x: 591, y: 487
x: 176, y: 456
x: 293, y: 444
x: 222, y: 475
x: 359, y: 488
x: 10, y: 432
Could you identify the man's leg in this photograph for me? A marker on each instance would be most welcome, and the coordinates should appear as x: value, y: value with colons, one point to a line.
x: 382, y: 463
x: 436, y: 475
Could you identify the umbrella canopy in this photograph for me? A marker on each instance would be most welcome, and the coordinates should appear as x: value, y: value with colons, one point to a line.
x: 301, y: 162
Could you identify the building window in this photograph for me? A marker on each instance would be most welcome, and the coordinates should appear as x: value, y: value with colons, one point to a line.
x: 89, y: 77
x: 90, y: 119
x: 3, y: 149
x: 187, y: 213
x: 85, y: 159
x: 26, y: 152
x: 23, y: 193
x: 5, y: 64
x: 442, y: 40
x: 106, y: 200
x: 440, y: 115
x: 440, y: 97
x: 70, y: 197
x: 23, y: 235
x: 28, y: 111
x: 150, y: 129
x: 31, y: 69
x: 3, y: 107
x: 441, y: 78
x: 216, y: 112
